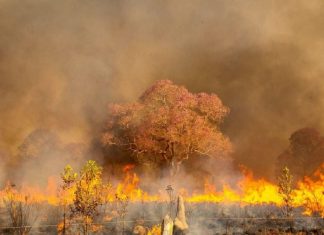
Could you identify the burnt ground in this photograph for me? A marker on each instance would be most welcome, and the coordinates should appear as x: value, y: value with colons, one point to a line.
x: 203, y: 219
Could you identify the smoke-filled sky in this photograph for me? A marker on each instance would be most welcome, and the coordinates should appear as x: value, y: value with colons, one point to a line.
x: 62, y: 62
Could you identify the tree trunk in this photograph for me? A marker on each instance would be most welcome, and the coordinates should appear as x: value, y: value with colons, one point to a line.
x: 64, y: 220
x: 174, y: 168
x: 85, y: 227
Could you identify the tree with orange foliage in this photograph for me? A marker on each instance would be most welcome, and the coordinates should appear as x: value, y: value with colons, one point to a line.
x: 168, y: 124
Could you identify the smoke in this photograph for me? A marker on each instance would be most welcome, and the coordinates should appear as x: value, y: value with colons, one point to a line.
x: 62, y: 62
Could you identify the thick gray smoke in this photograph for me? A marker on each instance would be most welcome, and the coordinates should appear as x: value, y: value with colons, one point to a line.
x: 61, y: 62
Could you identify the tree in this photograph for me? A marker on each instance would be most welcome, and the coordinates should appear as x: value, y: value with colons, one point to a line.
x: 42, y: 149
x: 305, y: 153
x: 38, y: 144
x: 88, y: 194
x: 69, y: 178
x: 286, y: 190
x: 168, y: 124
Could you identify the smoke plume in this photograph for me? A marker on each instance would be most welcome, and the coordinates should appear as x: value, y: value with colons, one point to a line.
x: 62, y: 62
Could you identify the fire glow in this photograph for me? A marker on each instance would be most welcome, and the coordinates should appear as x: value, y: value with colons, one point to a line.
x: 308, y: 194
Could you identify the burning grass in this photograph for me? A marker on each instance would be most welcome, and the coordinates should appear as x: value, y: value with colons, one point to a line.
x: 250, y: 204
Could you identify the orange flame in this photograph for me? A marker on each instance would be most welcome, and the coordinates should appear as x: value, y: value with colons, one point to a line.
x: 308, y: 194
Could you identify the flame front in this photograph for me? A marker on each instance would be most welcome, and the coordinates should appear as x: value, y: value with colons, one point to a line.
x: 308, y: 194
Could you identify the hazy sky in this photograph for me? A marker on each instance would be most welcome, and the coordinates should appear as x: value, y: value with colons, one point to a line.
x: 62, y: 62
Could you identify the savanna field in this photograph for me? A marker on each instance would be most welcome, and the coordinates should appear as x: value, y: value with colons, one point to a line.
x: 161, y: 117
x: 167, y: 126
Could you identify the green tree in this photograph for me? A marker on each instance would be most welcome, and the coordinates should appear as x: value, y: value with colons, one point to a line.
x: 88, y: 193
x: 69, y: 178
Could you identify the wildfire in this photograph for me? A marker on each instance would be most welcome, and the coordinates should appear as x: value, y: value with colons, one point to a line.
x: 309, y: 193
x: 250, y: 191
x: 129, y: 188
x: 29, y: 194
